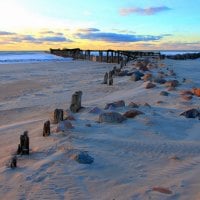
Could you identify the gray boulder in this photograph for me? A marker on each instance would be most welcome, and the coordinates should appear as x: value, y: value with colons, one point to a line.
x: 111, y: 117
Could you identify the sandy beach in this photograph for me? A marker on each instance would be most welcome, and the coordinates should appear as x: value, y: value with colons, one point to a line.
x: 158, y: 148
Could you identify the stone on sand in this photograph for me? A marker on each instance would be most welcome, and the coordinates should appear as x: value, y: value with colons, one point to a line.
x: 150, y: 85
x: 132, y: 113
x: 111, y: 117
x: 192, y: 113
x: 82, y: 157
x: 115, y: 104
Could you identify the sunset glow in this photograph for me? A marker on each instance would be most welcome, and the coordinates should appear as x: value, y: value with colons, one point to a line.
x: 127, y: 24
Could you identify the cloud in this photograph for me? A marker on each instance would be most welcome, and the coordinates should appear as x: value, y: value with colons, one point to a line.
x: 51, y: 33
x: 37, y: 40
x: 54, y: 39
x: 117, y: 37
x: 6, y: 33
x: 87, y: 30
x: 143, y: 11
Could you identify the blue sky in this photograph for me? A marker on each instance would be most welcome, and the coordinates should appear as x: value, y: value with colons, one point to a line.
x: 116, y: 24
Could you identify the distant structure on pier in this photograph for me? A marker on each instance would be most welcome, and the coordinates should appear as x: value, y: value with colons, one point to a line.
x: 109, y: 56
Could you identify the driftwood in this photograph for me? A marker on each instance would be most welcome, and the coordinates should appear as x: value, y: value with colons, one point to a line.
x: 23, y: 147
x: 58, y: 116
x: 76, y: 101
x: 46, y: 128
x: 13, y: 163
x: 105, y: 80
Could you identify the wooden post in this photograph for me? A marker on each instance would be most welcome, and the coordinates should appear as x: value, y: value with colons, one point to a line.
x: 46, y: 129
x: 110, y: 81
x: 107, y: 55
x: 100, y: 56
x: 105, y: 81
x: 23, y: 147
x: 58, y: 116
x: 118, y: 57
x: 112, y: 56
x: 76, y: 101
x: 13, y: 163
x: 88, y: 54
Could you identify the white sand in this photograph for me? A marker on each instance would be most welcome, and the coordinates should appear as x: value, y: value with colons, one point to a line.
x: 129, y: 158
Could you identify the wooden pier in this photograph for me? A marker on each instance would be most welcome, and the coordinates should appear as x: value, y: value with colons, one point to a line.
x: 109, y: 56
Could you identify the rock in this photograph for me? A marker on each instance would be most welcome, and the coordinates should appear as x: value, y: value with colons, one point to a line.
x: 115, y: 104
x: 186, y: 92
x: 196, y: 91
x: 135, y: 77
x: 111, y: 117
x: 159, y: 80
x: 160, y: 102
x: 133, y: 105
x: 138, y: 73
x: 172, y: 83
x: 186, y: 97
x: 147, y: 77
x: 123, y: 73
x: 147, y: 105
x: 88, y: 125
x: 164, y: 93
x: 150, y: 85
x: 46, y: 129
x: 83, y: 158
x: 57, y: 116
x: 171, y: 73
x: 76, y: 101
x: 132, y: 113
x: 171, y: 89
x: 95, y: 110
x: 64, y: 126
x: 162, y: 190
x: 192, y: 113
x: 151, y: 66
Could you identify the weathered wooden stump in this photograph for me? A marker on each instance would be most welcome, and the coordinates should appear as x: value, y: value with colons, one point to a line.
x: 58, y: 116
x: 110, y: 81
x: 76, y: 101
x: 46, y: 129
x: 105, y: 80
x: 13, y: 163
x: 23, y: 147
x: 110, y: 74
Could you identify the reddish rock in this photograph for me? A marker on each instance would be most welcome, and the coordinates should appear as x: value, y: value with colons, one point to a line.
x: 115, y: 104
x: 186, y: 97
x: 196, y: 91
x: 172, y: 83
x: 150, y: 85
x: 132, y: 113
x: 162, y: 190
x: 186, y: 92
x: 147, y: 77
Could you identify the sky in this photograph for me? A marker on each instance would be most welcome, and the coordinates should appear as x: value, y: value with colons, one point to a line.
x: 100, y: 24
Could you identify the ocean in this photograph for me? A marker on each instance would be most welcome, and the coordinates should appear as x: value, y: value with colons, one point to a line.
x: 7, y: 57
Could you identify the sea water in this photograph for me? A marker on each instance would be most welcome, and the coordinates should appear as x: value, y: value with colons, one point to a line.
x: 7, y: 57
